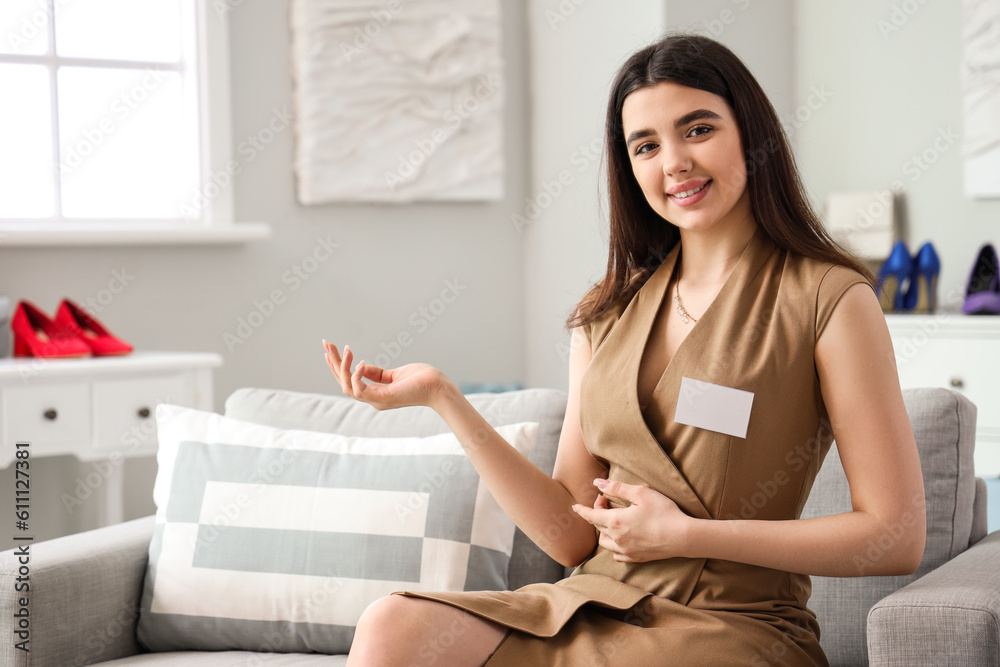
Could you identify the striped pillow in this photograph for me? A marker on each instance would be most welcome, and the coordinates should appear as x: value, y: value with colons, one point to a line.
x: 276, y: 540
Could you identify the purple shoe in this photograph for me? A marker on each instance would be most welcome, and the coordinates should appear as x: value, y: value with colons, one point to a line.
x: 982, y: 296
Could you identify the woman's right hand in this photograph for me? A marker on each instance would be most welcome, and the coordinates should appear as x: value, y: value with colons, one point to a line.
x: 412, y: 384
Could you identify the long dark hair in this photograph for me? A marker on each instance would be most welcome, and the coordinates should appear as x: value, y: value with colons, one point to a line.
x: 639, y: 238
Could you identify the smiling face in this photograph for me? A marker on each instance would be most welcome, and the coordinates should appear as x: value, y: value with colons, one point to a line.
x: 686, y: 154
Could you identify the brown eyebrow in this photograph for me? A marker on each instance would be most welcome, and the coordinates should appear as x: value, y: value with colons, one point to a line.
x: 697, y: 114
x: 638, y: 134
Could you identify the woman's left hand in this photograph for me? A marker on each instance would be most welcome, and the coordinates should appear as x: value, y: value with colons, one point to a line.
x: 651, y: 527
x: 412, y: 384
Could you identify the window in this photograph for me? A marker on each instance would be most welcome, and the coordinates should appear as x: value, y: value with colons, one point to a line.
x: 105, y: 113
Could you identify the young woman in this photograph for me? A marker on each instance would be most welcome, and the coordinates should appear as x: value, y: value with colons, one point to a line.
x: 728, y: 342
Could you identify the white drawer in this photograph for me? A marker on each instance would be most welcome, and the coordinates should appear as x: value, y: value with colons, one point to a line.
x: 53, y: 417
x: 968, y: 365
x: 125, y: 411
x: 987, y: 456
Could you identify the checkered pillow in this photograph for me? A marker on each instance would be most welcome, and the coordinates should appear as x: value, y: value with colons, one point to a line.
x: 277, y: 540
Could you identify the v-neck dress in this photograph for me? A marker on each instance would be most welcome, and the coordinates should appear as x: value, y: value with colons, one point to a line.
x: 758, y: 335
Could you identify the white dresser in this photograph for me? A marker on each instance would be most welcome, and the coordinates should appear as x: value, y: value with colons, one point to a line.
x: 98, y: 409
x: 961, y: 352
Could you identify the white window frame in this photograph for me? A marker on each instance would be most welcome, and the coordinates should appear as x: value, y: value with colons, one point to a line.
x: 208, y: 49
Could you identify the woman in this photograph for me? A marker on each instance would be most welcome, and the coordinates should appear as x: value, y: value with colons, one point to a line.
x: 691, y: 456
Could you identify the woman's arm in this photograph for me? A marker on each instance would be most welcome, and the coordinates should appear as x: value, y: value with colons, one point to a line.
x: 882, y: 535
x: 537, y: 503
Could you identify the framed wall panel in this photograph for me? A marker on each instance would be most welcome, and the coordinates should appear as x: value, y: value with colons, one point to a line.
x: 981, y: 97
x: 397, y: 101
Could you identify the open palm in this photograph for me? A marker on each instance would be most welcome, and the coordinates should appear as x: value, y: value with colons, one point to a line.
x: 412, y: 384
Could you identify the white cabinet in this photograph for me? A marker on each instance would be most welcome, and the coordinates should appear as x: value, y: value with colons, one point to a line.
x: 99, y: 408
x: 961, y: 352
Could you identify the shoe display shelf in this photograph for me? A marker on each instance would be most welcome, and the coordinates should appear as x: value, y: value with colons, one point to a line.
x: 961, y: 352
x: 98, y: 408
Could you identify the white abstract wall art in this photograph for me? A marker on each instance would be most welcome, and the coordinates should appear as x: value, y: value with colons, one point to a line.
x: 981, y: 97
x: 397, y: 100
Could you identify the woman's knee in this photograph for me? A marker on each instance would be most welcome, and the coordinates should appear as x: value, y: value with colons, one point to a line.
x: 385, y: 617
x: 424, y: 632
x: 385, y: 613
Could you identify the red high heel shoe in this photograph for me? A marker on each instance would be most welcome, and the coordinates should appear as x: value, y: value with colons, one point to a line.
x: 100, y: 341
x: 35, y: 335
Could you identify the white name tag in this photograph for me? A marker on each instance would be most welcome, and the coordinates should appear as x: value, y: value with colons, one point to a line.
x: 714, y: 407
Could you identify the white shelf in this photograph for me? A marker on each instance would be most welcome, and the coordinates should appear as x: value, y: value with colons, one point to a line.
x: 953, y: 324
x: 136, y: 362
x: 128, y: 233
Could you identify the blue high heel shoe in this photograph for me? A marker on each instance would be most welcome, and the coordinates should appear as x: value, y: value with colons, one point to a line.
x: 921, y: 294
x: 895, y: 272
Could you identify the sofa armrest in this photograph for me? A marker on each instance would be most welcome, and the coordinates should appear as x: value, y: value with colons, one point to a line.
x: 83, y: 596
x: 950, y: 616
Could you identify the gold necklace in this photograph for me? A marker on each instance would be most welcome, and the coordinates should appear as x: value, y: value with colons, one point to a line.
x: 685, y: 315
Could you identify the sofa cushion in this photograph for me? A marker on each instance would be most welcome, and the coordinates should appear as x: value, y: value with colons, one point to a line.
x: 944, y: 426
x: 347, y: 416
x: 980, y: 513
x: 277, y: 540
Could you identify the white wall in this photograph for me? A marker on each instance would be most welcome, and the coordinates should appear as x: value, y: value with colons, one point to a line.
x: 391, y: 261
x: 894, y: 93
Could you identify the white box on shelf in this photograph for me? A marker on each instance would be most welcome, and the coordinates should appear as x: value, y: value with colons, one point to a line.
x: 863, y: 222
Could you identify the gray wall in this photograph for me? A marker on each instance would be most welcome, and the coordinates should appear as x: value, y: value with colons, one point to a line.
x: 392, y: 260
x: 761, y: 33
x: 574, y: 58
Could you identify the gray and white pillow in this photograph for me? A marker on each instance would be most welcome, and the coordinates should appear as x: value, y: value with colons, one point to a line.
x: 276, y: 540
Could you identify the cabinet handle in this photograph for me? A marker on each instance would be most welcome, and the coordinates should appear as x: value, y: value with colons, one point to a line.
x: 50, y: 414
x: 958, y: 383
x: 143, y: 412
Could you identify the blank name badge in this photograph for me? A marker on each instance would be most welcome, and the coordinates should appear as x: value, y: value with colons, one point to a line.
x: 714, y: 407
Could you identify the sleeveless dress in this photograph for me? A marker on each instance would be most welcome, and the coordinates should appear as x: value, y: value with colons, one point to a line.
x: 758, y: 335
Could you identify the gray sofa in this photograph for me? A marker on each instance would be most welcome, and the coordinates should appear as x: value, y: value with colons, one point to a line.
x: 85, y: 588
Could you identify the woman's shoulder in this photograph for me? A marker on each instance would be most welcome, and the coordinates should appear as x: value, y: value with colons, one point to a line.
x: 822, y: 284
x: 601, y: 325
x: 821, y: 277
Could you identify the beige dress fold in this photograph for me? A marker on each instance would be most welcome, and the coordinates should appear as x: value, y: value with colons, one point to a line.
x: 759, y: 336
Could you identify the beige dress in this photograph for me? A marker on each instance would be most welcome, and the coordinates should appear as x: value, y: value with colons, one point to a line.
x: 759, y: 336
